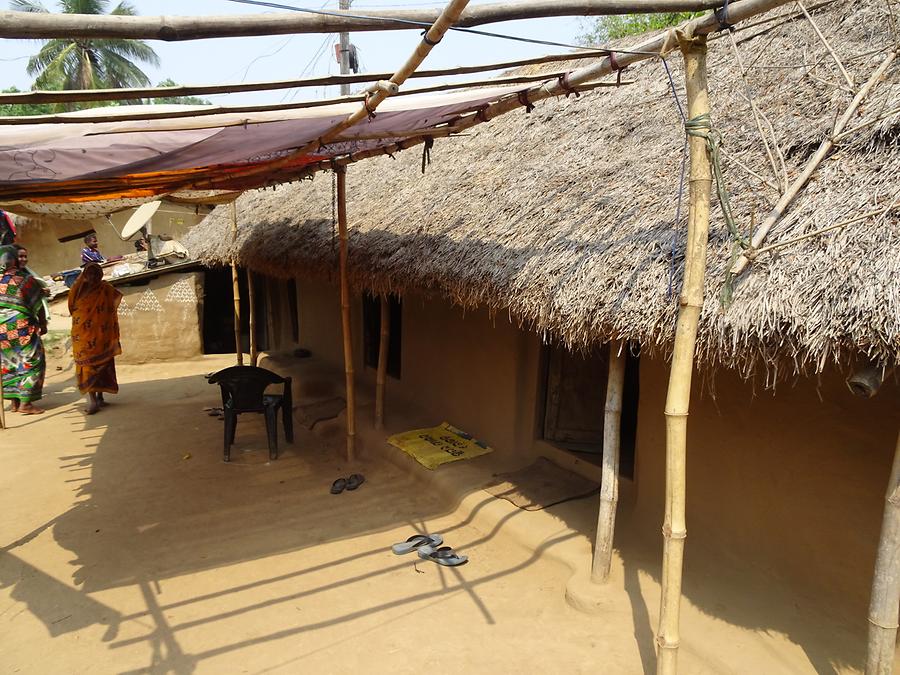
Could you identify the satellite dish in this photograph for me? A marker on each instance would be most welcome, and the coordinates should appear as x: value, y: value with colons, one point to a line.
x: 139, y: 218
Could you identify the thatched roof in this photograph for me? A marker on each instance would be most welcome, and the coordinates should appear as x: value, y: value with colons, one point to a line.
x: 564, y: 217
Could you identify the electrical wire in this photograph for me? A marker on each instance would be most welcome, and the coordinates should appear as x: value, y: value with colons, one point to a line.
x: 426, y: 25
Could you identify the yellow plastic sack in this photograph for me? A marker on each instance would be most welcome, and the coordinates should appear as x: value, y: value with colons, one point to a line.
x: 439, y: 445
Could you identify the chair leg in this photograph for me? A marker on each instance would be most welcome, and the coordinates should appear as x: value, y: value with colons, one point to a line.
x: 287, y: 419
x: 272, y: 431
x: 229, y: 434
x: 234, y: 421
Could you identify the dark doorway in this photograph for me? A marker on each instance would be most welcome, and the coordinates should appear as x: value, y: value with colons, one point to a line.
x: 372, y: 332
x: 218, y: 312
x: 575, y: 403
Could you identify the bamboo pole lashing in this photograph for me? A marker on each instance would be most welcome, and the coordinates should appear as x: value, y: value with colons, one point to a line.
x: 384, y: 340
x: 236, y: 292
x: 345, y: 312
x: 609, y: 481
x: 812, y: 164
x: 885, y: 598
x: 678, y: 397
x: 251, y: 299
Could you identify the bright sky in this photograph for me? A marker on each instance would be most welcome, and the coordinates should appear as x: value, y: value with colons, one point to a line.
x: 285, y: 57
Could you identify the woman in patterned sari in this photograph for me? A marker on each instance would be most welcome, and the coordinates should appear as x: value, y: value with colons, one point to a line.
x: 93, y: 304
x: 22, y: 322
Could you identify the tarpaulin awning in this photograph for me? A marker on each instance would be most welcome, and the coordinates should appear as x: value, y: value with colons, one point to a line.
x: 133, y: 161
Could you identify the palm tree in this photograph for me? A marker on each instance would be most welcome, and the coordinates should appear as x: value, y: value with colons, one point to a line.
x: 88, y: 64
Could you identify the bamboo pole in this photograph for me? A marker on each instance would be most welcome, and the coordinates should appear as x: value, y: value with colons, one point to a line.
x: 24, y: 25
x: 678, y: 398
x: 110, y: 114
x: 658, y: 45
x: 2, y: 408
x: 381, y: 376
x: 824, y: 41
x: 883, y: 606
x: 824, y: 148
x: 251, y: 296
x: 345, y: 312
x: 72, y: 95
x: 609, y: 482
x: 236, y: 292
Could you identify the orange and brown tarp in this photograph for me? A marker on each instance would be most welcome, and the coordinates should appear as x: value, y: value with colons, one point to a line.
x: 133, y: 160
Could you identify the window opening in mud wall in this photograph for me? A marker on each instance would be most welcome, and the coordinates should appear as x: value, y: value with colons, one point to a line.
x: 576, y: 400
x: 372, y: 332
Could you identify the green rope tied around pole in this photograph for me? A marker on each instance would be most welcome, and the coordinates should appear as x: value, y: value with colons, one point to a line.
x: 701, y: 127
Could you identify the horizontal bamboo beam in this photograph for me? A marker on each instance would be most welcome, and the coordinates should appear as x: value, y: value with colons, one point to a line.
x: 26, y: 25
x: 73, y: 95
x: 24, y: 120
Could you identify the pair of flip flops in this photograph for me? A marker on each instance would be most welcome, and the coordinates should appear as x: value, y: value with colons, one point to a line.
x: 428, y: 547
x: 351, y: 483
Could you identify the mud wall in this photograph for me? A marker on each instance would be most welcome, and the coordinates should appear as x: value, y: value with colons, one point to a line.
x: 46, y: 255
x: 162, y: 320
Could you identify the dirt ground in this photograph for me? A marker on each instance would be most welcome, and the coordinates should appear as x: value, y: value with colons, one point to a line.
x: 130, y: 547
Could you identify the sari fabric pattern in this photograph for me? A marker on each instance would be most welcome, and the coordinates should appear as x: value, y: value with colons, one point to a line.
x: 95, y: 334
x: 21, y: 349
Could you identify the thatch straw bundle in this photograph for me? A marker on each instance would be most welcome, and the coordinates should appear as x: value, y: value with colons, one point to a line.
x: 564, y: 217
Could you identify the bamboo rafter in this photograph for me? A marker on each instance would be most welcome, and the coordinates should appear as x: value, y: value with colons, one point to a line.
x: 22, y: 25
x: 23, y: 97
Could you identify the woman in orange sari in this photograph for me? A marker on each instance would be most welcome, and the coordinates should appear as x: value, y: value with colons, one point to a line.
x: 93, y: 304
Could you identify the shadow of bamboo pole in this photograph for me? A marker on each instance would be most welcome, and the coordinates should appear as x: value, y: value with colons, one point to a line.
x: 678, y: 398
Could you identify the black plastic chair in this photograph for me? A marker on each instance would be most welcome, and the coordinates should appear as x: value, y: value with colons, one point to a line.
x: 243, y: 390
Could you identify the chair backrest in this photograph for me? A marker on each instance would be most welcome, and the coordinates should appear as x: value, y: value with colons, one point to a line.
x: 243, y: 386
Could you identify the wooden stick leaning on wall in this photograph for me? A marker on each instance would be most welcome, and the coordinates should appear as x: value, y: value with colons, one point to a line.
x: 383, y: 343
x: 2, y: 409
x: 883, y: 605
x: 236, y: 291
x: 345, y: 312
x: 678, y: 397
x: 609, y: 482
x: 251, y: 297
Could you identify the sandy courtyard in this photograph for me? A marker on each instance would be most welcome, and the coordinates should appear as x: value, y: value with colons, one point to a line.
x: 128, y: 546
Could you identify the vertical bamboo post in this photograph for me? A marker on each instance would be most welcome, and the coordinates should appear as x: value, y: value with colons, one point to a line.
x: 381, y: 376
x: 2, y: 404
x: 883, y: 606
x: 609, y: 482
x: 345, y: 311
x: 251, y: 296
x: 236, y: 291
x: 678, y: 397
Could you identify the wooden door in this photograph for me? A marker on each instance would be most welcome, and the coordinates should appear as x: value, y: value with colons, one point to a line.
x: 576, y: 397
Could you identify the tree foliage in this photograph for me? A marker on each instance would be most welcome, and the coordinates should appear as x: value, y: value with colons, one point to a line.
x: 177, y: 100
x: 606, y: 28
x: 18, y: 109
x: 69, y: 63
